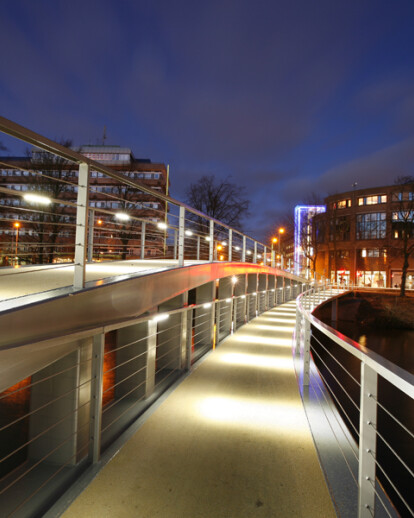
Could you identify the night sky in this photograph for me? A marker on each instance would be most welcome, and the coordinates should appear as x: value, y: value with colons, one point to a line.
x: 287, y: 98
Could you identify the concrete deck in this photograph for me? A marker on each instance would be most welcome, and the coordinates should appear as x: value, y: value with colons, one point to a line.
x: 231, y: 441
x: 27, y: 280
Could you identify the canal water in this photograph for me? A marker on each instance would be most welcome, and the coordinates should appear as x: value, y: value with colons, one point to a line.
x: 397, y: 345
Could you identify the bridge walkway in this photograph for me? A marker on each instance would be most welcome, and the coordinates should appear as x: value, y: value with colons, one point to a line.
x: 31, y: 280
x: 232, y: 440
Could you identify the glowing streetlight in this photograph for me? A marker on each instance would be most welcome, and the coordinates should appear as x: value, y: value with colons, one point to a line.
x: 16, y: 225
x: 281, y: 231
x: 37, y: 198
x: 99, y: 223
x: 122, y: 216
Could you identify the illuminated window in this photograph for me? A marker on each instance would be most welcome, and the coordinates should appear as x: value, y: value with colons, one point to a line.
x: 372, y: 200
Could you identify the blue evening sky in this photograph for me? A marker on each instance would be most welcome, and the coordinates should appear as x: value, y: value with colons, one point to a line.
x: 286, y: 97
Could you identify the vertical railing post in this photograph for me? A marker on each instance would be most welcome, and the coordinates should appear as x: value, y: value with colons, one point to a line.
x: 81, y: 226
x: 143, y: 239
x: 218, y: 313
x: 273, y: 262
x: 198, y: 248
x: 181, y: 237
x: 90, y: 234
x: 189, y: 338
x: 183, y: 332
x: 265, y: 256
x: 244, y: 250
x: 175, y: 243
x: 255, y: 252
x: 306, y: 353
x: 297, y: 332
x: 96, y: 396
x: 230, y: 244
x: 367, y: 442
x: 211, y: 242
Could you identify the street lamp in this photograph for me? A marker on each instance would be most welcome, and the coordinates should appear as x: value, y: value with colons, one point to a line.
x: 274, y: 241
x: 99, y: 222
x: 281, y: 231
x: 16, y: 225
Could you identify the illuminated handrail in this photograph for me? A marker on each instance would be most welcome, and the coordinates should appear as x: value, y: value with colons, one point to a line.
x: 372, y: 365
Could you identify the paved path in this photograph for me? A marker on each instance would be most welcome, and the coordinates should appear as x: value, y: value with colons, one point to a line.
x: 231, y: 441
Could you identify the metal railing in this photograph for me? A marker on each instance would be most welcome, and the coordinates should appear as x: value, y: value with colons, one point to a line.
x: 79, y: 224
x: 57, y: 421
x: 352, y: 376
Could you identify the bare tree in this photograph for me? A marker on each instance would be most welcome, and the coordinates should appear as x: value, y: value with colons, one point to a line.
x: 401, y: 224
x: 221, y: 200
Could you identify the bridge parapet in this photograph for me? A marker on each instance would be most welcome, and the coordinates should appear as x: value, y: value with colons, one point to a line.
x: 87, y: 364
x: 352, y: 394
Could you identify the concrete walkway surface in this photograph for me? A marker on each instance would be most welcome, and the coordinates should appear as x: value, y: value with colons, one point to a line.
x: 27, y: 280
x: 231, y: 440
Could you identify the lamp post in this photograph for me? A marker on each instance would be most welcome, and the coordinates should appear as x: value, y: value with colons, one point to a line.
x: 16, y: 225
x: 274, y: 241
x: 281, y: 231
x: 99, y: 222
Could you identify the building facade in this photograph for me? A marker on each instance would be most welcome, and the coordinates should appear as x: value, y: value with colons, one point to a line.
x: 362, y: 236
x: 37, y: 234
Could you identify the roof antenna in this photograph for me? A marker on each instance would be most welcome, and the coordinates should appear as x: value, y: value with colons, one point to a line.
x: 354, y: 185
x: 104, y: 136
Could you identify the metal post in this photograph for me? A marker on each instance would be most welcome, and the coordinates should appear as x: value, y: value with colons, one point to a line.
x: 183, y: 332
x: 367, y: 442
x: 181, y: 237
x: 244, y: 250
x: 273, y: 263
x: 230, y: 244
x: 143, y: 240
x: 98, y: 348
x: 198, y: 248
x: 265, y: 256
x: 281, y: 262
x: 175, y: 244
x: 211, y: 243
x: 297, y: 332
x: 90, y: 235
x: 81, y: 226
x: 216, y: 304
x: 255, y: 252
x: 306, y: 353
x: 189, y: 339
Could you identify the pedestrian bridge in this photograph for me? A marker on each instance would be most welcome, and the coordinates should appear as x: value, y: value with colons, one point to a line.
x: 186, y: 383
